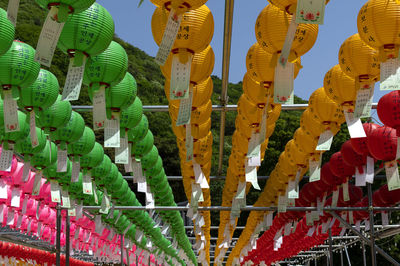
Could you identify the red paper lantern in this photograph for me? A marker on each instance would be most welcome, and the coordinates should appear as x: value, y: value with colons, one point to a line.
x: 340, y: 168
x: 355, y: 193
x: 382, y: 143
x: 329, y: 178
x: 387, y: 197
x: 351, y: 157
x: 360, y: 144
x: 389, y: 110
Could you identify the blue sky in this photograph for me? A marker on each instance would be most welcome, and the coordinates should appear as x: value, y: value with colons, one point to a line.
x: 133, y: 24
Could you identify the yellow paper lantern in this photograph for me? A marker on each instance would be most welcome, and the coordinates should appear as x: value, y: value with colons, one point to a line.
x: 201, y: 67
x: 311, y: 125
x: 181, y: 6
x: 198, y: 131
x: 199, y: 114
x: 240, y: 141
x: 195, y: 32
x: 340, y: 87
x: 289, y: 6
x: 358, y: 60
x: 306, y: 143
x: 271, y: 27
x: 378, y: 24
x: 295, y: 155
x: 201, y: 92
x: 324, y: 109
x: 261, y: 65
x: 249, y: 110
x: 256, y: 92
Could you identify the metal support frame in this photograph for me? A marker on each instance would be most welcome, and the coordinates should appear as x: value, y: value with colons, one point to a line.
x: 365, y: 239
x: 330, y: 248
x: 341, y: 257
x: 225, y: 75
x: 122, y: 249
x: 371, y: 225
x: 347, y: 255
x: 363, y: 253
x: 67, y: 240
x: 58, y: 236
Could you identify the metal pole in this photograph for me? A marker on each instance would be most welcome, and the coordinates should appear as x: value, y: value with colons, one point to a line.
x: 341, y: 257
x: 365, y: 239
x: 58, y: 236
x: 67, y: 240
x: 371, y: 225
x: 347, y: 255
x: 315, y: 262
x: 330, y: 248
x: 225, y: 76
x: 127, y: 258
x: 363, y: 251
x: 122, y: 249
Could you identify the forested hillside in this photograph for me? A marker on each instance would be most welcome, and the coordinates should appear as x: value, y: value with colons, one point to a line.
x: 150, y: 90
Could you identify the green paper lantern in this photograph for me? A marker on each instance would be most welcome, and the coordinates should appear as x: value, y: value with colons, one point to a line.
x: 114, y: 187
x: 139, y: 132
x: 109, y: 178
x: 131, y: 116
x: 156, y: 169
x: 41, y: 94
x: 46, y: 157
x: 24, y: 146
x: 65, y: 7
x: 63, y: 178
x: 76, y: 188
x: 18, y: 68
x: 106, y: 69
x: 55, y: 117
x: 93, y: 158
x: 14, y: 136
x: 153, y: 180
x: 7, y: 32
x: 83, y: 145
x: 150, y: 159
x: 142, y: 147
x: 70, y: 133
x: 87, y: 34
x: 102, y: 170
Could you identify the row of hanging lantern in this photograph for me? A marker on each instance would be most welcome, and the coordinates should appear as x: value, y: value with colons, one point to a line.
x: 183, y: 30
x: 272, y: 64
x: 113, y: 92
x: 350, y: 85
x: 35, y: 214
x: 14, y: 254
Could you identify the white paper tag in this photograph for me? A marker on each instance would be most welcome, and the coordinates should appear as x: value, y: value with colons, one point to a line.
x: 128, y: 167
x: 263, y: 125
x: 73, y: 81
x: 171, y: 30
x: 12, y: 11
x: 251, y: 176
x: 354, y: 125
x: 385, y: 218
x: 185, y: 109
x: 335, y: 197
x: 315, y: 170
x: 293, y: 187
x: 25, y: 172
x: 66, y: 203
x: 392, y: 175
x: 310, y: 11
x: 87, y: 185
x: 15, y: 197
x: 78, y: 211
x: 112, y: 132
x: 48, y: 39
x: 6, y: 157
x: 122, y: 155
x: 366, y: 223
x: 142, y: 185
x: 99, y: 109
x: 364, y: 102
x: 180, y: 78
x: 288, y: 228
x: 346, y: 196
x: 284, y: 83
x: 10, y: 217
x: 361, y: 177
x: 24, y: 205
x: 37, y: 183
x: 105, y: 204
x: 55, y: 191
x: 62, y: 156
x: 390, y: 74
x: 200, y: 178
x: 3, y: 189
x: 287, y: 45
x: 10, y: 109
x: 311, y: 231
x: 325, y: 141
x: 149, y: 198
x: 32, y: 128
x: 370, y: 170
x: 282, y: 204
